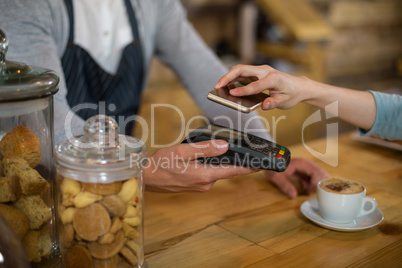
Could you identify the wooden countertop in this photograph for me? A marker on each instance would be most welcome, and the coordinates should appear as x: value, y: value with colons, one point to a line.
x: 247, y: 222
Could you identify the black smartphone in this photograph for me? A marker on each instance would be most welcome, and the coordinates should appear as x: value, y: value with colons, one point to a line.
x: 245, y: 149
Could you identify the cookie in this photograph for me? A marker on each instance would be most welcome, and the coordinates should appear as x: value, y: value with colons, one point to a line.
x: 77, y: 257
x: 91, y: 222
x: 105, y: 251
x: 128, y: 255
x: 130, y: 212
x: 116, y: 225
x: 114, y: 205
x: 102, y: 188
x: 85, y: 198
x: 129, y: 231
x: 68, y: 232
x: 67, y: 214
x: 107, y: 263
x: 128, y: 190
x: 134, y: 247
x: 70, y: 186
x: 21, y: 142
x: 106, y: 238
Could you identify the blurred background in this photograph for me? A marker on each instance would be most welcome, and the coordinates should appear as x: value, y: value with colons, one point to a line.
x: 350, y: 43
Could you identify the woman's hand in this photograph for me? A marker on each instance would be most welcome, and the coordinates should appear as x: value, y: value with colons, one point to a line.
x: 284, y: 89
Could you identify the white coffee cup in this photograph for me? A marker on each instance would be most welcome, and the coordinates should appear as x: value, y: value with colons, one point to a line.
x: 342, y: 200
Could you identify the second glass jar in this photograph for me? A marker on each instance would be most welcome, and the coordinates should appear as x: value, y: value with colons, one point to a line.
x: 100, y: 197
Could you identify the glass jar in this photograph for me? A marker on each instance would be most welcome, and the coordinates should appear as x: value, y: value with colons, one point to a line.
x: 12, y: 252
x: 26, y: 168
x: 100, y: 197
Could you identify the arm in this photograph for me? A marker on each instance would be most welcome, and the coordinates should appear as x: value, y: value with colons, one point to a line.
x: 355, y: 107
x: 180, y: 47
x: 37, y: 32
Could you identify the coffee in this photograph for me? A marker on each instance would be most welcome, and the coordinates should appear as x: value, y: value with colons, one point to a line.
x: 342, y: 200
x: 341, y: 186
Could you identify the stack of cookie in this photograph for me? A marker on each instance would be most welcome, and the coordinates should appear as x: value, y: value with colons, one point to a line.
x: 100, y: 223
x: 23, y: 192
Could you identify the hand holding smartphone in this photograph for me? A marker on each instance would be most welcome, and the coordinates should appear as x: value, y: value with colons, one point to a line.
x: 244, y: 104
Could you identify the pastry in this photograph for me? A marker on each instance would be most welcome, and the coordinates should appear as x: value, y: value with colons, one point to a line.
x: 37, y: 244
x: 1, y: 163
x: 21, y: 142
x: 31, y: 181
x: 36, y: 210
x: 10, y: 189
x: 17, y: 219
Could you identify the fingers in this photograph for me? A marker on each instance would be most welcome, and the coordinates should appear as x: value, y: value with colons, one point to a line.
x: 219, y: 172
x: 242, y: 71
x: 250, y: 89
x: 281, y: 181
x: 308, y: 171
x: 304, y: 170
x: 201, y: 149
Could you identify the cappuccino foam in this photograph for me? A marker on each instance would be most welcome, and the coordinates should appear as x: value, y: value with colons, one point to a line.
x: 341, y: 186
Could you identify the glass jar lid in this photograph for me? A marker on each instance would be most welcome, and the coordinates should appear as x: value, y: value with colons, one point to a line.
x: 20, y: 81
x: 101, y: 154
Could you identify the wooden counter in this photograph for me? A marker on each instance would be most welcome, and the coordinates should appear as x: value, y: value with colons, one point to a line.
x: 247, y: 222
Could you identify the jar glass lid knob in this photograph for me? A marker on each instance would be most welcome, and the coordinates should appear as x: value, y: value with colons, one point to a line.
x: 20, y: 81
x: 3, y: 47
x: 101, y: 132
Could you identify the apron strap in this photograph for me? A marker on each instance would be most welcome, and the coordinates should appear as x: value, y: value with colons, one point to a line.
x: 133, y: 20
x: 131, y: 17
x: 70, y: 8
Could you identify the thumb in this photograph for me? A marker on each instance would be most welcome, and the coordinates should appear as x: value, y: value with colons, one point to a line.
x: 202, y: 149
x: 271, y: 103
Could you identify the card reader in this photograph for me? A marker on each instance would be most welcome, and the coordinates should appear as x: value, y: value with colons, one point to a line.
x: 244, y: 150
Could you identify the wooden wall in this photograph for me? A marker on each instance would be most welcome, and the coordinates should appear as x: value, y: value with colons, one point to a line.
x: 367, y: 37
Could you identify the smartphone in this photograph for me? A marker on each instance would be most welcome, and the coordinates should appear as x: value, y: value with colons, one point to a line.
x: 243, y: 104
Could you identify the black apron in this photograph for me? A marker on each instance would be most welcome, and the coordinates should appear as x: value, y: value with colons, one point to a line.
x: 88, y: 85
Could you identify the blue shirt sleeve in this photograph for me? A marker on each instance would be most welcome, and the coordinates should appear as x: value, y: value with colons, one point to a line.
x: 388, y: 122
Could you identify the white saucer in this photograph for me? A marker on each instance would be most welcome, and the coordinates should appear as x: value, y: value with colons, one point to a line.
x: 310, y: 209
